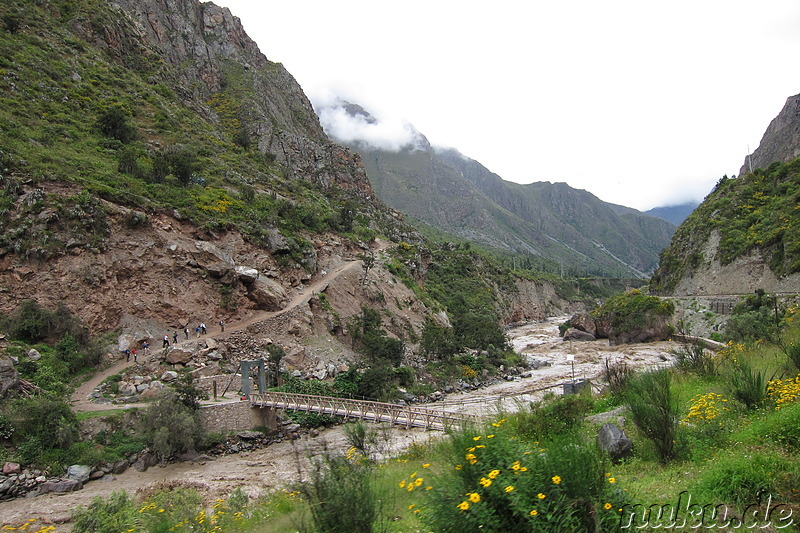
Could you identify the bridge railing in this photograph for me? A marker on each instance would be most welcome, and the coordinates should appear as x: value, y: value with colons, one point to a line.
x: 404, y: 415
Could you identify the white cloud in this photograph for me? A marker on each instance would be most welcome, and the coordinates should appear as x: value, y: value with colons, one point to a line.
x: 387, y: 134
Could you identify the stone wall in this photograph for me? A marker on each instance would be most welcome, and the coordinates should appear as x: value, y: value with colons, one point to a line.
x: 236, y: 416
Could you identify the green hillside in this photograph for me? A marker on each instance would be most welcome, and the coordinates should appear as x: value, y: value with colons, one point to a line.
x: 756, y: 212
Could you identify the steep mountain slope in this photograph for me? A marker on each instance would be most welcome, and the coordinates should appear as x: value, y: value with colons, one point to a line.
x: 744, y: 236
x: 781, y: 140
x: 460, y: 196
x: 746, y: 233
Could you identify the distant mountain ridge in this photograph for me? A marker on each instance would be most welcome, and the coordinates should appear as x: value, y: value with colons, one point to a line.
x: 674, y: 214
x: 456, y: 194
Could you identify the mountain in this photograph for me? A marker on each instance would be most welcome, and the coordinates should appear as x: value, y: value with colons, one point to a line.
x: 152, y: 160
x: 674, y: 214
x: 458, y: 195
x: 781, y: 140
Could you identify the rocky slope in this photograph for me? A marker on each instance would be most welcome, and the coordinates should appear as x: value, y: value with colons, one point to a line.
x: 781, y: 141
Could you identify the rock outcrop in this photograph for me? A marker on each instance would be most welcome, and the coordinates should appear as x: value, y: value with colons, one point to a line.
x: 781, y: 141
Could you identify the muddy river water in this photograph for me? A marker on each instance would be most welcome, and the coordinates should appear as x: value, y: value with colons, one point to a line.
x: 279, y: 464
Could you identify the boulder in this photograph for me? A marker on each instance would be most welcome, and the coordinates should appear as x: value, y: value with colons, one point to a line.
x: 654, y: 329
x: 34, y: 355
x: 119, y: 467
x: 583, y: 322
x: 296, y: 358
x: 246, y: 274
x: 169, y: 376
x: 573, y: 334
x: 9, y: 377
x: 276, y: 242
x: 602, y: 327
x: 145, y: 461
x: 11, y: 468
x: 178, y: 356
x: 125, y: 342
x: 615, y: 442
x: 79, y: 473
x: 267, y: 294
x: 60, y: 486
x: 211, y: 344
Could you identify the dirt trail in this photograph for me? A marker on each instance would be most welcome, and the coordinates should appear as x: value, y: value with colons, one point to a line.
x: 79, y: 399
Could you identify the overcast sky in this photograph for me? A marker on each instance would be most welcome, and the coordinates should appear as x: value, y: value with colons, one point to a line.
x: 642, y: 103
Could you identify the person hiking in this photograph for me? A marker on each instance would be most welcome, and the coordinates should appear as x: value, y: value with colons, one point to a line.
x: 175, y: 337
x: 134, y: 356
x: 221, y: 325
x: 145, y: 345
x: 203, y: 327
x: 166, y: 341
x: 186, y: 332
x: 127, y: 355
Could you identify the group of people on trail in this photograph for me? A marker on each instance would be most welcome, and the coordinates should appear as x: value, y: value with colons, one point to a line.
x: 200, y: 329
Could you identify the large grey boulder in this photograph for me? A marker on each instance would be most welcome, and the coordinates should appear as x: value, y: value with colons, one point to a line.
x: 615, y: 442
x: 573, y: 334
x: 79, y: 473
x: 583, y: 322
x: 246, y: 274
x: 9, y: 377
x: 268, y: 294
x: 178, y: 356
x: 60, y: 486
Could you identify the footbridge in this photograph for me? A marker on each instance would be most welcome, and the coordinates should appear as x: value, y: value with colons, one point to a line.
x: 403, y: 415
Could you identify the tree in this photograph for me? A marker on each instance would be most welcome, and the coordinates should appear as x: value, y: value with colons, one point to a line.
x: 115, y: 122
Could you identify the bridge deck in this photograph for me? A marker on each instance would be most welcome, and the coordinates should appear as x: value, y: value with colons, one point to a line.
x: 404, y: 415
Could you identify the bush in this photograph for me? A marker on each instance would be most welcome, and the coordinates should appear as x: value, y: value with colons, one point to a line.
x: 171, y: 427
x: 548, y: 418
x: 115, y: 123
x: 694, y: 357
x: 342, y: 497
x: 747, y: 385
x: 110, y: 515
x: 654, y: 410
x: 493, y: 482
x: 739, y: 479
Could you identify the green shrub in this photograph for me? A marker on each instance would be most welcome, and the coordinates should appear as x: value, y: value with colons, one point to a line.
x: 492, y: 481
x: 654, y: 410
x: 110, y: 515
x: 748, y: 385
x: 550, y: 417
x: 740, y: 478
x: 693, y: 357
x: 342, y: 498
x: 171, y: 427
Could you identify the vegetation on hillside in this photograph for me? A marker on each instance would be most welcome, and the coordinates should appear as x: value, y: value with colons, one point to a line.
x: 756, y: 211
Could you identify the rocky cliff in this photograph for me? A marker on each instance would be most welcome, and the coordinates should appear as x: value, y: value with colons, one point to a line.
x: 781, y: 141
